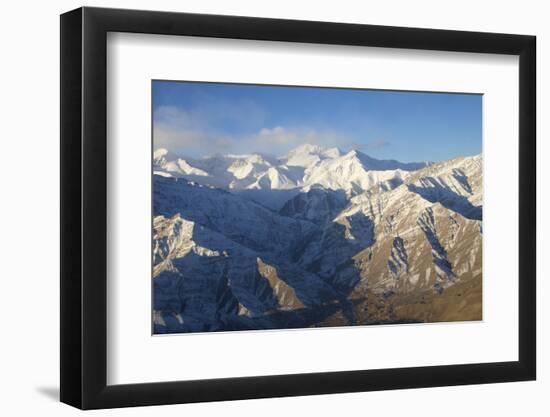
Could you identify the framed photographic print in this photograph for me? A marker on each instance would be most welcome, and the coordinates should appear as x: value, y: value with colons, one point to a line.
x: 258, y: 207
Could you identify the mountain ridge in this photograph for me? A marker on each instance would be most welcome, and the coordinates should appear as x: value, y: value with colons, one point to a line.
x: 343, y: 245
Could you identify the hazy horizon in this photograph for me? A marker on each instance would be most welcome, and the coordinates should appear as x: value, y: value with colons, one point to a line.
x: 270, y: 155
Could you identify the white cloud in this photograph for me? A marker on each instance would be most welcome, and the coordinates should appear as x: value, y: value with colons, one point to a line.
x: 189, y: 141
x: 275, y: 141
x: 189, y: 134
x: 279, y: 140
x: 183, y: 132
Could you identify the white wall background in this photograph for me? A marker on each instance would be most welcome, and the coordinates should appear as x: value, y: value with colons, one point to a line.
x: 29, y: 296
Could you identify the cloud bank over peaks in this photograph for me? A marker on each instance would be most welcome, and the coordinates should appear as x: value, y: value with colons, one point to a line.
x: 191, y: 134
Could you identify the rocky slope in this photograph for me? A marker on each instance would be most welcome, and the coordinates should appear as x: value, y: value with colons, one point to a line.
x: 345, y: 239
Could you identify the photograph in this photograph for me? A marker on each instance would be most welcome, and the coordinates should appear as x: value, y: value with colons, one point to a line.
x: 267, y: 209
x: 292, y: 207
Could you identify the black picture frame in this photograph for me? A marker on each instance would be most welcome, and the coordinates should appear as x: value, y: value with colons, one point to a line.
x: 84, y: 207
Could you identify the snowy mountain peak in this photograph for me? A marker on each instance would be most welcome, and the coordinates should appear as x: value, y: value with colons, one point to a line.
x: 159, y: 153
x: 332, y: 152
x: 305, y: 167
x: 308, y: 154
x: 307, y: 148
x: 162, y: 155
x: 373, y: 164
x: 353, y: 153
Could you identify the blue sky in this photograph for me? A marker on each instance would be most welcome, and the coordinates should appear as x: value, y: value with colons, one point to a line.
x: 199, y: 119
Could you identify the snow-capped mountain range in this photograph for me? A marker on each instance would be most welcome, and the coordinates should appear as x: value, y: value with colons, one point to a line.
x: 302, y: 168
x: 318, y: 237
